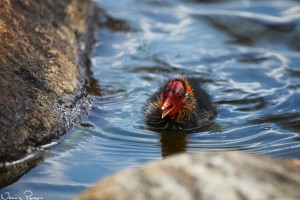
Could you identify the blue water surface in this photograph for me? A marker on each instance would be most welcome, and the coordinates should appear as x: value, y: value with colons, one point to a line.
x: 246, y: 53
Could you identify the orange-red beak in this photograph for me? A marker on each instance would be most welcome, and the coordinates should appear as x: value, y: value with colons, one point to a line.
x: 167, y: 107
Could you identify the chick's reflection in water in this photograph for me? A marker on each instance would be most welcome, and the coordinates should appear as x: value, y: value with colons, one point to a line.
x: 173, y: 143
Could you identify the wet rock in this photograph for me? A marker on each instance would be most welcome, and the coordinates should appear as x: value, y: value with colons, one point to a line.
x: 203, y: 176
x: 43, y: 60
x: 15, y: 170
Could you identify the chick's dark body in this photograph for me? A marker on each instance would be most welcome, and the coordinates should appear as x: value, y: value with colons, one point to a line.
x: 202, y: 114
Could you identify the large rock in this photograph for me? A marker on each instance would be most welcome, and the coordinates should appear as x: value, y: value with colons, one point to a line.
x: 208, y: 176
x: 43, y: 59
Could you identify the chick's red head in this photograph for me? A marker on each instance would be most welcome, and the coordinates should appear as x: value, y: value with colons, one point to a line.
x: 173, y: 98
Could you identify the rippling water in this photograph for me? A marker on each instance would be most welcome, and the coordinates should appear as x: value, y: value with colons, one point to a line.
x: 247, y: 53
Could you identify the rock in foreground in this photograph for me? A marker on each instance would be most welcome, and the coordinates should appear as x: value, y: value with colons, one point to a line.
x: 209, y: 176
x: 43, y: 59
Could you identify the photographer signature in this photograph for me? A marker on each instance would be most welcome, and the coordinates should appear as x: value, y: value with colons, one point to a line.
x: 27, y: 195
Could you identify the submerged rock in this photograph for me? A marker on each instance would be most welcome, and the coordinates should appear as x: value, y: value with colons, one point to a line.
x: 43, y: 60
x: 208, y: 176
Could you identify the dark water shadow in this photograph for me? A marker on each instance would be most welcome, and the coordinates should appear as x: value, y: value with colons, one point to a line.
x: 113, y: 24
x: 255, y: 31
x: 105, y: 21
x: 288, y: 121
x: 12, y: 172
x: 174, y: 142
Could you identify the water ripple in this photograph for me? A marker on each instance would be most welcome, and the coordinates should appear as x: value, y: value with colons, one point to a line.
x: 246, y: 54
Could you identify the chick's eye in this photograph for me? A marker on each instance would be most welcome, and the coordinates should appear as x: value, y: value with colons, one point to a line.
x: 181, y: 96
x: 167, y: 89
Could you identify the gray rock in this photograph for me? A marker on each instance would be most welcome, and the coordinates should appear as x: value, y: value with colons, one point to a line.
x: 208, y: 176
x: 43, y: 70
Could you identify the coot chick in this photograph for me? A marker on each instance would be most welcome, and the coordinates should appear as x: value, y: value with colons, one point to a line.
x: 180, y: 104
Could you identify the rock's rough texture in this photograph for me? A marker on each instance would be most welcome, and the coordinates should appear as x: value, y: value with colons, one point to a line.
x: 43, y: 59
x: 207, y: 176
